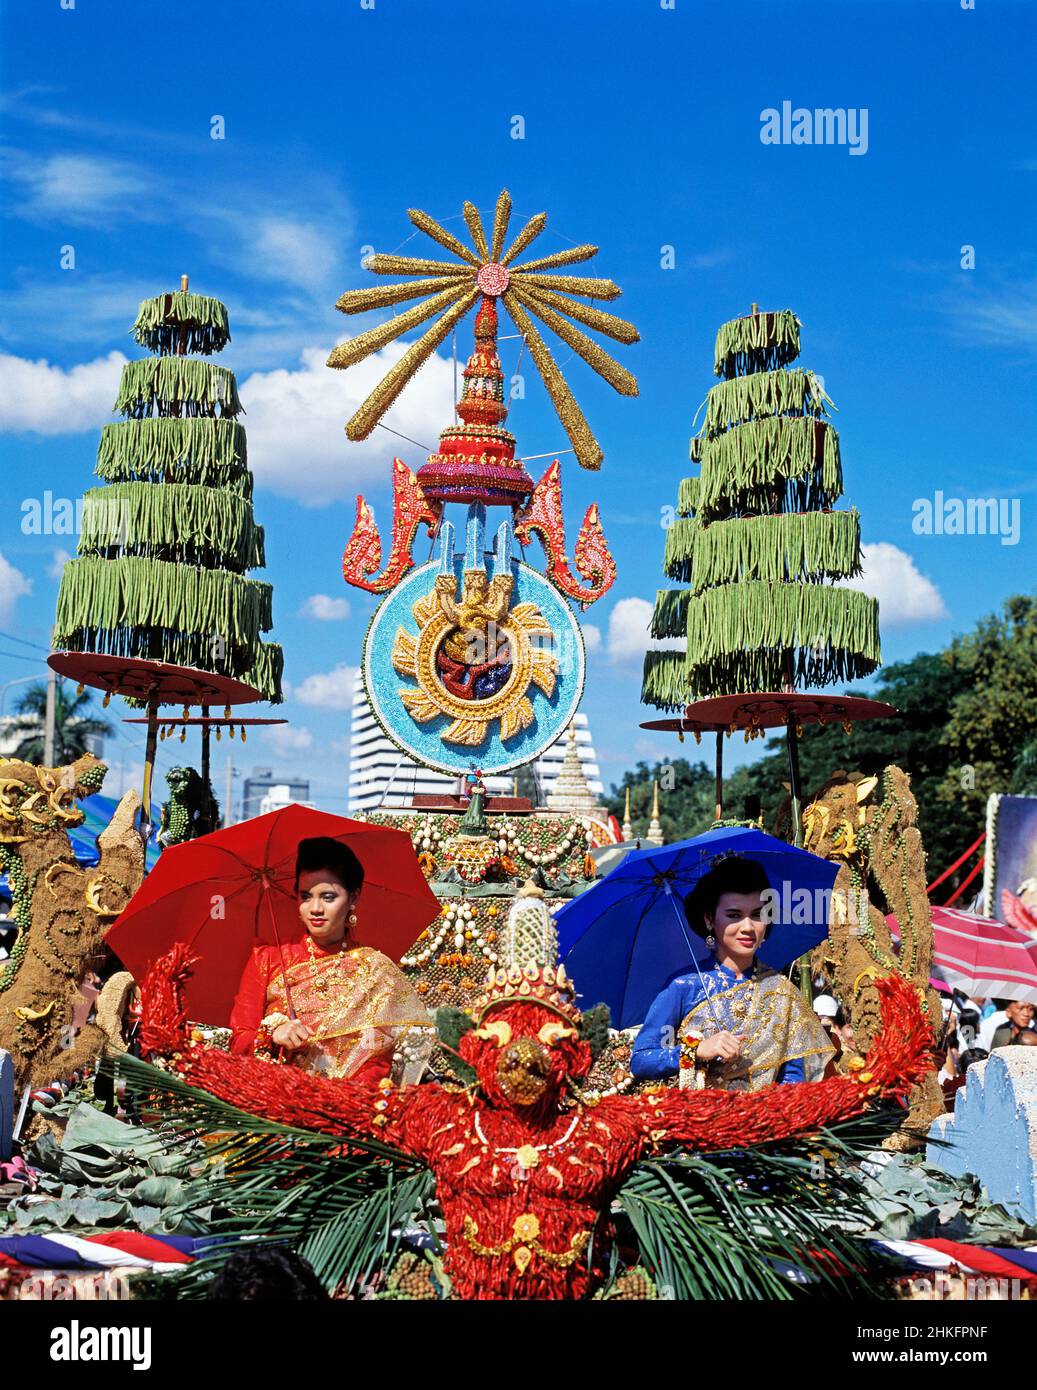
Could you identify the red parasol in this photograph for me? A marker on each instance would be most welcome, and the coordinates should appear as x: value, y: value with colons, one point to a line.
x: 225, y: 893
x: 983, y: 958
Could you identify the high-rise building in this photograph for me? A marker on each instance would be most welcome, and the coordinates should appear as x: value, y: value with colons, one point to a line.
x: 381, y: 776
x: 263, y: 786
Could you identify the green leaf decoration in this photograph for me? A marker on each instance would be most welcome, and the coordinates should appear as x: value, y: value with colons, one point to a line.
x: 182, y: 323
x: 765, y: 393
x: 757, y: 541
x: 182, y: 522
x: 784, y: 462
x: 670, y: 614
x: 664, y: 683
x: 778, y: 549
x: 208, y: 452
x: 756, y: 343
x: 754, y: 635
x: 166, y: 545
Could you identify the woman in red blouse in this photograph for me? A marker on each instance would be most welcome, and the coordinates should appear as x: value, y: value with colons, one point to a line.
x: 317, y: 1003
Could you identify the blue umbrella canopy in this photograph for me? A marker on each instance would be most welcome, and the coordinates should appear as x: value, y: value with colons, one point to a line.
x: 624, y: 939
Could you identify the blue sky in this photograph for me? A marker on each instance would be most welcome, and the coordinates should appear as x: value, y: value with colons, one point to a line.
x: 641, y: 132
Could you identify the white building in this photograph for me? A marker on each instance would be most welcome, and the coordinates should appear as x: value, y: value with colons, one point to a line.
x: 381, y: 776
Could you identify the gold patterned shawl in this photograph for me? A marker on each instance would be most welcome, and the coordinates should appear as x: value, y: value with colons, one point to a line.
x: 357, y: 1004
x: 776, y: 1022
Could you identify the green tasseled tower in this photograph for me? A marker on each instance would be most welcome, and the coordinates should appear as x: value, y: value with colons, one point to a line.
x: 166, y: 543
x: 757, y: 541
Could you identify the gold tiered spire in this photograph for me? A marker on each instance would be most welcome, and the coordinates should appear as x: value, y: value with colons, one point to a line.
x: 655, y: 830
x: 449, y: 289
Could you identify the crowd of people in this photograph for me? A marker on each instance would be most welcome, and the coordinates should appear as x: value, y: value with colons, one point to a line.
x: 972, y: 1029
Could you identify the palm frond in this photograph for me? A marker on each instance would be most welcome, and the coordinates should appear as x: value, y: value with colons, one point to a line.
x: 764, y: 1223
x: 342, y: 1206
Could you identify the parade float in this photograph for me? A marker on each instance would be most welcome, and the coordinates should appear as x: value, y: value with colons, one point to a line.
x: 525, y: 1165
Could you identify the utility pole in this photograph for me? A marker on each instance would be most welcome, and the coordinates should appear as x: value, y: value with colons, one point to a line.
x: 228, y: 818
x: 48, y: 726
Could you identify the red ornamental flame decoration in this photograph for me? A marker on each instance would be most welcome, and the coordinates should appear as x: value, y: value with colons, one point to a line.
x: 363, y: 553
x: 543, y: 514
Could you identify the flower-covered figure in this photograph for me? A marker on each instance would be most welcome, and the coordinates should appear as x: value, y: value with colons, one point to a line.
x: 526, y: 1167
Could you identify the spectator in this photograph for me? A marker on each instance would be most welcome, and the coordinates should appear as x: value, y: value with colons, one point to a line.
x: 992, y: 1022
x: 267, y: 1273
x: 1028, y: 1037
x: 826, y: 1009
x: 1018, y: 1016
x: 972, y: 1054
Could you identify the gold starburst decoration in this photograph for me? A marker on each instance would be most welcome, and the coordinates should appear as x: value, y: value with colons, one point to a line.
x: 450, y: 288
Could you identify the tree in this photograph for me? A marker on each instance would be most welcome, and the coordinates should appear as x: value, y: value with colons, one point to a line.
x: 75, y: 724
x: 686, y: 798
x: 167, y: 541
x: 991, y: 735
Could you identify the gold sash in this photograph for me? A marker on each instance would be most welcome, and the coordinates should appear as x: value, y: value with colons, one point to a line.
x: 355, y: 1003
x: 777, y: 1026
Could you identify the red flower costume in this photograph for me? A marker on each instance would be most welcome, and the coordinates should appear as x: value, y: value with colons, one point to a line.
x: 524, y: 1181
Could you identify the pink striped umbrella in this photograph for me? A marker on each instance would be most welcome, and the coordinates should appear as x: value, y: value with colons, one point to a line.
x: 983, y: 958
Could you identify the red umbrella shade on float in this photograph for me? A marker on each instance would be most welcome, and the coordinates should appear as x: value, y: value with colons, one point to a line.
x: 981, y: 957
x: 225, y: 893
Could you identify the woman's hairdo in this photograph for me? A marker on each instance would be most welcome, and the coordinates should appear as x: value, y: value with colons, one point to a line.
x: 731, y: 875
x: 322, y: 852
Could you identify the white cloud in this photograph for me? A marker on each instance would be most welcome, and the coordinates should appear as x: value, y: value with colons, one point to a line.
x: 325, y: 609
x: 629, y: 637
x: 13, y: 584
x: 1003, y: 316
x: 591, y: 637
x: 905, y: 595
x: 83, y: 190
x: 58, y: 560
x: 295, y: 251
x: 328, y: 690
x: 41, y: 399
x: 285, y: 739
x: 297, y: 444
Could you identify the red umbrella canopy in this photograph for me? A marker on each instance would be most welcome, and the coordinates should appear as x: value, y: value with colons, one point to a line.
x: 982, y: 957
x: 225, y: 893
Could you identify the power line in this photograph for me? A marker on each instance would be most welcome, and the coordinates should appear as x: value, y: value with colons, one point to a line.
x: 12, y: 638
x: 18, y: 656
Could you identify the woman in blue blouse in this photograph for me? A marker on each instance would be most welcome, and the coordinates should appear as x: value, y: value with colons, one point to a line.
x: 738, y: 1026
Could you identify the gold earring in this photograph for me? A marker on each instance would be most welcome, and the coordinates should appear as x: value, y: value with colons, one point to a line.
x: 352, y: 919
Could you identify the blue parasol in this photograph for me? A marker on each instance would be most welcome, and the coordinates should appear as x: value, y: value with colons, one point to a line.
x: 624, y: 939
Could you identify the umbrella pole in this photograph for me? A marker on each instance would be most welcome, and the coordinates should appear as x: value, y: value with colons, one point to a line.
x: 691, y: 951
x: 795, y: 803
x: 149, y: 768
x: 280, y: 949
x: 720, y: 776
x: 205, y: 748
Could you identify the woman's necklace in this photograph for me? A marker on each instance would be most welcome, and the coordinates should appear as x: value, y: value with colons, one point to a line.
x: 527, y: 1156
x: 741, y: 1011
x: 321, y: 979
